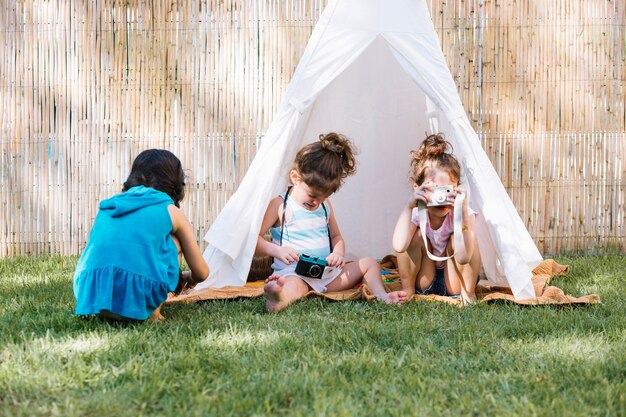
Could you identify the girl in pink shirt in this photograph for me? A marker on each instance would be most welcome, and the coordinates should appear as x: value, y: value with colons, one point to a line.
x: 435, y: 175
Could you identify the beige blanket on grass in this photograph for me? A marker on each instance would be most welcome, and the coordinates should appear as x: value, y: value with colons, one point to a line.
x: 542, y: 274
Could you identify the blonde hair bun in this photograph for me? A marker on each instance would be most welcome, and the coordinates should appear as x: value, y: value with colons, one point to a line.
x: 433, y: 146
x: 434, y: 152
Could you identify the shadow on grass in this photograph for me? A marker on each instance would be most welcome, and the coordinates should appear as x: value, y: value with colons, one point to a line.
x: 316, y: 357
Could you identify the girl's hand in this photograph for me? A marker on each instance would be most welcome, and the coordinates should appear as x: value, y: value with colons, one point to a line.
x: 420, y: 193
x: 459, y: 190
x: 186, y: 282
x: 335, y: 260
x: 287, y: 255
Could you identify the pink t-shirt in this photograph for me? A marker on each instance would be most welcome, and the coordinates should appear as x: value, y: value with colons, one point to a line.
x: 438, y: 238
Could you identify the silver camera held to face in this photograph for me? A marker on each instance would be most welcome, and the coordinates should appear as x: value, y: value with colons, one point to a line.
x: 439, y: 196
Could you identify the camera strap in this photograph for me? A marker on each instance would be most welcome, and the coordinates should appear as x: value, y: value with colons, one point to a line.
x: 282, y: 222
x: 459, y: 244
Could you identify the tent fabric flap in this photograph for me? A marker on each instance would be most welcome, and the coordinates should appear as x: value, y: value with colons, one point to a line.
x: 373, y: 70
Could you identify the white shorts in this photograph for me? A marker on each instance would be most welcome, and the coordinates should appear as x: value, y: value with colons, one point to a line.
x: 317, y: 284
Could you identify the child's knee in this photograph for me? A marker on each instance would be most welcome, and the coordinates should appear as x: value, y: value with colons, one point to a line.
x: 368, y: 264
x: 417, y: 241
x: 416, y: 251
x: 416, y: 247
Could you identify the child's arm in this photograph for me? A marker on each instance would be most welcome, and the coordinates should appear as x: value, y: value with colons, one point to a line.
x: 405, y: 229
x: 463, y: 257
x: 183, y: 231
x: 265, y: 248
x: 336, y: 258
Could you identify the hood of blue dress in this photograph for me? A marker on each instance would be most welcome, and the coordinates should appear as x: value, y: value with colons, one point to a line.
x: 134, y: 199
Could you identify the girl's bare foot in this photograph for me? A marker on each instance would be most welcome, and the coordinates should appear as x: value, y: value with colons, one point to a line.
x: 468, y: 299
x: 395, y: 297
x: 274, y: 297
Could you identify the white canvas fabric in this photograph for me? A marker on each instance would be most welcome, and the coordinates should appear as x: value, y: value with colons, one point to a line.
x: 374, y: 71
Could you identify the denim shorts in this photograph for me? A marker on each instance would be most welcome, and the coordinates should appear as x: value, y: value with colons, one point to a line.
x: 437, y: 286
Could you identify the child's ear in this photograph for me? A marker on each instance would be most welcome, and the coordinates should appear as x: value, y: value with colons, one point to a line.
x: 294, y: 177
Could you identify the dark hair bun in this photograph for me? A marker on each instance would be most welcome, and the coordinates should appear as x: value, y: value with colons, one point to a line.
x: 325, y: 164
x: 334, y: 142
x: 341, y: 146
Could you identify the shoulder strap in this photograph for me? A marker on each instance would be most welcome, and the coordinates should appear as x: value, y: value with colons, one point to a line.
x: 282, y: 222
x: 459, y: 244
x: 330, y: 241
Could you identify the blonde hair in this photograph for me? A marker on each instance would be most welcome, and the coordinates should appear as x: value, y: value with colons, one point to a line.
x: 432, y: 153
x: 325, y: 164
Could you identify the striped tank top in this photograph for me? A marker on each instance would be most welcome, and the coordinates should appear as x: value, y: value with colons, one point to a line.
x: 305, y: 231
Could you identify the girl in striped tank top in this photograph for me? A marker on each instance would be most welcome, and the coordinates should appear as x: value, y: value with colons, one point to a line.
x: 302, y: 222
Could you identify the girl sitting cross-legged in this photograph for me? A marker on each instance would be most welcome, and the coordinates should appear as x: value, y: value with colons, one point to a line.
x: 307, y: 246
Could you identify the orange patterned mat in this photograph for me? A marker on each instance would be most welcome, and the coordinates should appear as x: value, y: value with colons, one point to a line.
x: 542, y: 274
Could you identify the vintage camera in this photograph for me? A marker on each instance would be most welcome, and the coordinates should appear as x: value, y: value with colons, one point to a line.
x: 310, y: 266
x: 439, y: 195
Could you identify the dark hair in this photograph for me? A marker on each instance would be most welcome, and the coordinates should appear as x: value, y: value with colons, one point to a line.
x: 159, y: 169
x: 432, y: 153
x: 325, y: 164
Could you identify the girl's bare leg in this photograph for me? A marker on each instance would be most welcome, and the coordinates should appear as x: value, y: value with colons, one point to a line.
x: 282, y: 291
x: 461, y: 279
x: 416, y: 269
x: 409, y: 263
x: 368, y: 270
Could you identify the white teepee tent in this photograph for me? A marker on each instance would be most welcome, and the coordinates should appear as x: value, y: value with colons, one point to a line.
x: 374, y: 71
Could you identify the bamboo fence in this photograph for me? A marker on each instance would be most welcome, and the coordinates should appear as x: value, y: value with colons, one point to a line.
x: 85, y: 86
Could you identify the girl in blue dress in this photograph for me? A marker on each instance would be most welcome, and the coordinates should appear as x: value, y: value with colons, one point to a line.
x: 131, y: 261
x: 303, y: 227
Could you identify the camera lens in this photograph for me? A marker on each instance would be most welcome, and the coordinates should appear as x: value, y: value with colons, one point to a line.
x: 315, y: 271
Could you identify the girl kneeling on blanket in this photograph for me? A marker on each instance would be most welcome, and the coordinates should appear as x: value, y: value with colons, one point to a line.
x: 435, y: 175
x: 307, y: 246
x: 131, y: 261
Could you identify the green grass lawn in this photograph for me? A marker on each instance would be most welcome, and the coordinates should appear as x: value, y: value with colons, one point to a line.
x: 316, y: 358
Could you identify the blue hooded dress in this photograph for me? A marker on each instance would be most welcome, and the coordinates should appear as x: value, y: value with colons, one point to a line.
x: 130, y: 262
